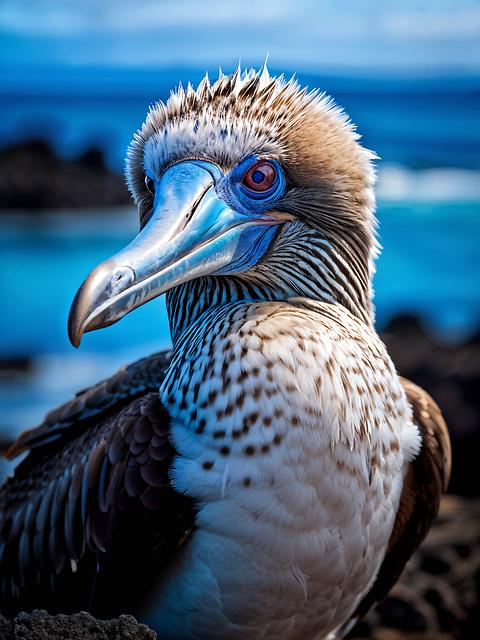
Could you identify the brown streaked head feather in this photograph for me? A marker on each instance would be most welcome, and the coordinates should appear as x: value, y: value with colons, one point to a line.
x: 246, y: 113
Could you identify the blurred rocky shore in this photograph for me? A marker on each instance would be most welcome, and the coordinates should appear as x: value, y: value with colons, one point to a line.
x: 34, y: 177
x: 451, y: 374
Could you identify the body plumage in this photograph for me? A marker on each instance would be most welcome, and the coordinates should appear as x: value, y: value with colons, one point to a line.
x: 296, y: 473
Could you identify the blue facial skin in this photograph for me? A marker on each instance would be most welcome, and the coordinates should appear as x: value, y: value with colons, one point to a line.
x: 255, y: 240
x: 243, y: 199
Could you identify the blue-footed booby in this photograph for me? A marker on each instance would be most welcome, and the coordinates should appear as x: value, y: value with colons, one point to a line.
x: 271, y: 475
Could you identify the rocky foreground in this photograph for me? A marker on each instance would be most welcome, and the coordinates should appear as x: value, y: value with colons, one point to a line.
x: 39, y: 625
x: 451, y: 374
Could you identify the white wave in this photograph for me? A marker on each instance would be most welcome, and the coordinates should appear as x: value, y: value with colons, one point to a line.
x: 397, y: 183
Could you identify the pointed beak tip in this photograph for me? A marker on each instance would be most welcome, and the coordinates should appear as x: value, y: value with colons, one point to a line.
x: 75, y: 323
x: 75, y: 341
x: 87, y: 299
x: 75, y: 332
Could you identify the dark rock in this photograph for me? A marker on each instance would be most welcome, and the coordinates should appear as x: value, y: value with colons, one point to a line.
x: 92, y: 159
x: 434, y: 565
x: 451, y: 374
x: 400, y: 614
x: 39, y: 625
x: 438, y: 594
x: 33, y: 177
x: 6, y: 628
x: 16, y: 366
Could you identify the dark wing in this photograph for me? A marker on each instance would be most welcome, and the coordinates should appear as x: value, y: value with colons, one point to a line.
x: 90, y: 516
x: 90, y: 405
x: 427, y: 478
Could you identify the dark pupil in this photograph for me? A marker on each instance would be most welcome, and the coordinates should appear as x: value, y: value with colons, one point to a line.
x: 258, y: 176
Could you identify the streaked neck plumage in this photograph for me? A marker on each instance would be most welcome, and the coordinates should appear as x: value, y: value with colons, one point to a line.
x: 303, y: 262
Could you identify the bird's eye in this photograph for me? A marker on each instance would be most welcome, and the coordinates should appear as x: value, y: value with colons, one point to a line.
x: 150, y: 184
x: 260, y: 177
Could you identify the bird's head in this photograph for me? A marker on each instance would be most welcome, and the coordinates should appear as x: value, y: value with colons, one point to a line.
x: 247, y: 188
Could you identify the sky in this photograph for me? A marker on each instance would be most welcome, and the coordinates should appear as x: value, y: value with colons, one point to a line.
x: 396, y: 35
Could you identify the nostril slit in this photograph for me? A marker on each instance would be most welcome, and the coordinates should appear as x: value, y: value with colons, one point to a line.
x: 122, y: 277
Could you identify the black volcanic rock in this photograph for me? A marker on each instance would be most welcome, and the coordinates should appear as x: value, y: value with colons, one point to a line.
x: 32, y: 176
x: 39, y: 625
x: 451, y: 374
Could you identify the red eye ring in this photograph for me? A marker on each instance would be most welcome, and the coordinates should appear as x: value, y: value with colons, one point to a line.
x: 260, y: 177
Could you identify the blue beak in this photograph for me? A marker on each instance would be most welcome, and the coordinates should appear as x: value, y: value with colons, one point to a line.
x: 192, y: 232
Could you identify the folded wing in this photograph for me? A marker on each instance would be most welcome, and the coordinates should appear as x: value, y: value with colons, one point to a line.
x: 90, y: 515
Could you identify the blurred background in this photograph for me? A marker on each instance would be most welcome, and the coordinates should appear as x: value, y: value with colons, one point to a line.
x: 76, y: 79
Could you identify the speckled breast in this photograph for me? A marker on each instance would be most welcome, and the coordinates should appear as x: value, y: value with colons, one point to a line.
x: 292, y: 432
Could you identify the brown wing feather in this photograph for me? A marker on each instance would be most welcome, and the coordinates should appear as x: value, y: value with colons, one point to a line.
x: 90, y: 405
x: 98, y: 496
x: 427, y: 478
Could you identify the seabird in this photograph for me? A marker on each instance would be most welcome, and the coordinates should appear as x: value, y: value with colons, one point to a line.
x: 271, y: 475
